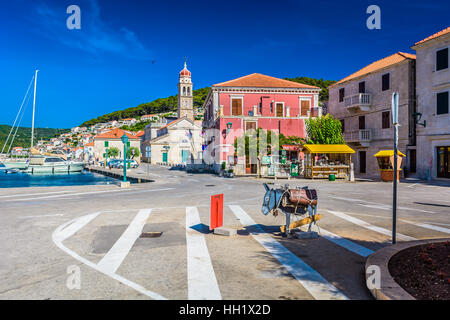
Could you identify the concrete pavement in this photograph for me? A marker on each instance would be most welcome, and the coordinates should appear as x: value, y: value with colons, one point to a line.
x: 46, y: 230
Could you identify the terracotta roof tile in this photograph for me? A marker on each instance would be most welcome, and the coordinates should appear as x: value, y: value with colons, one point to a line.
x: 377, y: 65
x: 262, y: 81
x: 115, y: 134
x: 433, y: 36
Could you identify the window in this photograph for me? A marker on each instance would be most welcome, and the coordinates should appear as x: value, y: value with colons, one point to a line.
x: 385, y: 119
x: 442, y: 59
x: 279, y: 109
x: 362, y: 122
x: 106, y: 144
x: 341, y: 94
x: 184, y: 91
x: 442, y: 103
x: 304, y: 107
x: 343, y: 125
x: 362, y: 87
x: 385, y: 82
x: 260, y: 108
x: 236, y: 107
x: 189, y: 91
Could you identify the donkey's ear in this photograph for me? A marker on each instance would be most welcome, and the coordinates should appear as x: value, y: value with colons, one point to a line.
x: 266, y: 187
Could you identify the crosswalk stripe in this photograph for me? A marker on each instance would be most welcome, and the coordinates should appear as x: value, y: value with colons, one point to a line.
x: 345, y: 243
x: 370, y: 226
x: 310, y: 279
x: 202, y: 282
x: 429, y: 226
x: 115, y: 256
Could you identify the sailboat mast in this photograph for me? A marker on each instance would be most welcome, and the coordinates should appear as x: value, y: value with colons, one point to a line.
x: 34, y: 106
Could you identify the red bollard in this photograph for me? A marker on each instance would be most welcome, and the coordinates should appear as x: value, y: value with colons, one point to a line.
x: 216, y: 220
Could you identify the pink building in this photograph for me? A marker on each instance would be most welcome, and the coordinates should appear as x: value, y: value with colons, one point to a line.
x: 250, y: 102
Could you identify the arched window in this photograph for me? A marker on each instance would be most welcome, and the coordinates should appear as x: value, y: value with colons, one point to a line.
x: 189, y: 91
x: 184, y: 91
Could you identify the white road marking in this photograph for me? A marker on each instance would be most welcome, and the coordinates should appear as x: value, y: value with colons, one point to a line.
x: 310, y: 279
x: 428, y: 226
x: 73, y: 226
x: 115, y: 256
x: 381, y: 206
x: 41, y: 216
x: 30, y: 194
x: 345, y: 243
x: 93, y: 192
x: 370, y: 226
x: 202, y: 282
x: 64, y: 231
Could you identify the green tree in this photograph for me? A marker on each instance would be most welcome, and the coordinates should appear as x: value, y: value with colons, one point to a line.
x: 113, y: 152
x: 130, y: 153
x: 324, y: 130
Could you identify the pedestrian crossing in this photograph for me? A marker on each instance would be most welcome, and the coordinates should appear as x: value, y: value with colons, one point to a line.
x: 205, y: 255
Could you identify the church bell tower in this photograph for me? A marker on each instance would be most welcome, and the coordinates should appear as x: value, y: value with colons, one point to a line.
x: 185, y: 95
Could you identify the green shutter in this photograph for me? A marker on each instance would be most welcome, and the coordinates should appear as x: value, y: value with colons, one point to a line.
x: 106, y: 144
x: 128, y: 144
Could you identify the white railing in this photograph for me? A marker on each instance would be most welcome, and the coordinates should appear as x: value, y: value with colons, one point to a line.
x: 363, y: 135
x: 360, y: 99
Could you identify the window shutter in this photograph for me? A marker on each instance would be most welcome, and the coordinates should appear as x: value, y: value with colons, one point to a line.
x: 442, y: 59
x: 236, y: 107
x: 304, y: 104
x: 442, y: 103
x: 106, y: 143
x: 279, y: 109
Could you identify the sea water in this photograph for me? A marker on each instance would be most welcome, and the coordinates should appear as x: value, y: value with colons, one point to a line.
x: 21, y: 179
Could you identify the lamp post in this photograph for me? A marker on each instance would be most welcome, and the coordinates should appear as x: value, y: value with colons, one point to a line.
x: 394, y: 200
x: 124, y: 139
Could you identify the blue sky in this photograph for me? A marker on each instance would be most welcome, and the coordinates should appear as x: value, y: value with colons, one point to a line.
x: 130, y: 52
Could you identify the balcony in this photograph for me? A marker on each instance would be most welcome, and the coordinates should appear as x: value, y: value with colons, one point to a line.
x: 359, y: 137
x: 358, y: 102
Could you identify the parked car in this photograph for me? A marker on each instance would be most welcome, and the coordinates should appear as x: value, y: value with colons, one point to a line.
x: 113, y: 163
x: 133, y: 164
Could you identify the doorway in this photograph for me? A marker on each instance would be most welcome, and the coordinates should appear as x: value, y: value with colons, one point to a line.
x: 443, y: 168
x: 362, y: 162
x: 164, y: 157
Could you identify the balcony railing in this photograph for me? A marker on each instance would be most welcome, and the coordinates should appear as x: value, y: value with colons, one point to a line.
x: 363, y: 136
x: 362, y: 101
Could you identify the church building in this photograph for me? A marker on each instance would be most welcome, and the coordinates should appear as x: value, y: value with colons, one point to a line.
x: 179, y: 141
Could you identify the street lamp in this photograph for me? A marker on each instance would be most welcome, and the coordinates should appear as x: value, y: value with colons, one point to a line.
x: 124, y: 139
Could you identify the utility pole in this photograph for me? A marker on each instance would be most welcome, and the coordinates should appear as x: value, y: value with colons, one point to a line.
x: 394, y: 201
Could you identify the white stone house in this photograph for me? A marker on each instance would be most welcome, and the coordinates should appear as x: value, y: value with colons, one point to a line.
x: 112, y: 138
x: 362, y: 101
x: 178, y: 142
x: 433, y: 117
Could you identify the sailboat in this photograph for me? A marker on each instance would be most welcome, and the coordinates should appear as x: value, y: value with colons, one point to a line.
x: 38, y: 162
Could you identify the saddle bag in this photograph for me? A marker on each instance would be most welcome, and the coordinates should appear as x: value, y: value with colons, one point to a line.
x: 303, y: 197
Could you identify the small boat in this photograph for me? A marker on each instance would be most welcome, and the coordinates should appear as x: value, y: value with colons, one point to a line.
x: 53, y: 164
x: 14, y: 170
x: 11, y: 164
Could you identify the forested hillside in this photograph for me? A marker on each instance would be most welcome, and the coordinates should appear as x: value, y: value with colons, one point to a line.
x: 23, y: 136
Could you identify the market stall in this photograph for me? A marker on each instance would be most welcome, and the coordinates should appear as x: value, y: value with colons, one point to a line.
x: 323, y: 160
x: 385, y: 159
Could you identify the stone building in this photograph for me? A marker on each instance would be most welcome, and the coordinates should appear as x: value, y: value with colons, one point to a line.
x: 362, y: 101
x: 175, y: 141
x: 254, y: 101
x: 112, y: 138
x: 433, y: 117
